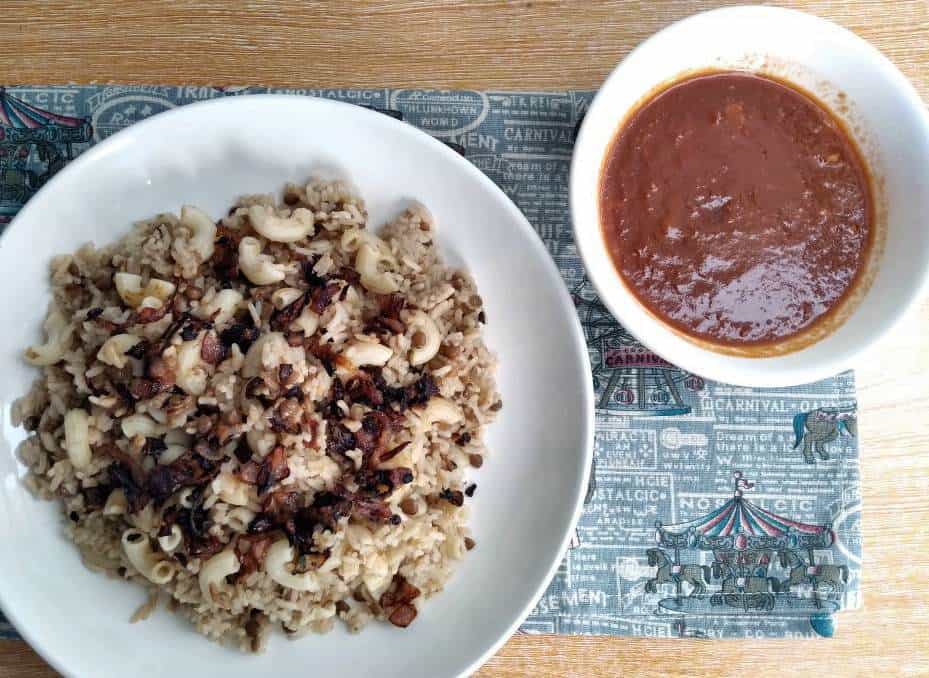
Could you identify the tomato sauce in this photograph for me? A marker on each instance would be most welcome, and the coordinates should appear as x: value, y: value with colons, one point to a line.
x: 736, y: 208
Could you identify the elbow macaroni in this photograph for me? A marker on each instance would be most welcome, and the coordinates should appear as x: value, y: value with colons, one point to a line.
x: 278, y: 557
x: 427, y: 332
x: 221, y: 307
x: 77, y: 438
x: 154, y: 294
x: 272, y: 343
x: 266, y: 223
x: 353, y: 238
x: 239, y: 518
x: 146, y: 519
x: 261, y: 442
x: 140, y: 555
x: 169, y: 542
x: 368, y: 353
x: 231, y: 490
x: 113, y: 351
x: 58, y: 331
x: 141, y: 425
x: 285, y: 297
x: 440, y: 410
x: 202, y: 229
x: 213, y: 573
x: 186, y: 497
x: 367, y: 263
x: 259, y: 268
x: 116, y: 503
x: 308, y: 321
x: 191, y: 374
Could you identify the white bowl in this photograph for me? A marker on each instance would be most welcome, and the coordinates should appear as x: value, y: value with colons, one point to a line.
x: 530, y: 490
x: 881, y: 108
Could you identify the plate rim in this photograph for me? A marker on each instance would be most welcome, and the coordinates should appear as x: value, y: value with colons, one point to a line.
x: 125, y: 136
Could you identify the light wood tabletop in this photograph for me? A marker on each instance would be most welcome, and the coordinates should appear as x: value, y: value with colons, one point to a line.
x: 537, y: 45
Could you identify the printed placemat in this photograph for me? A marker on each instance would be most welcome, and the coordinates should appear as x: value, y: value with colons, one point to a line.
x: 713, y: 511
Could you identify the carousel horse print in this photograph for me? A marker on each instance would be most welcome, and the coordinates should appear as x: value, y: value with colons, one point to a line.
x: 747, y: 592
x: 695, y: 575
x: 53, y: 158
x: 816, y: 428
x: 18, y: 185
x: 834, y: 576
x: 728, y: 563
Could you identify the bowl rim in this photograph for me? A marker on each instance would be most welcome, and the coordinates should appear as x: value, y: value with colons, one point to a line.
x: 116, y: 141
x: 730, y: 369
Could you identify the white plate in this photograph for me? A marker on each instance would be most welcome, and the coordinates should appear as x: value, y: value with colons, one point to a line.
x: 884, y: 113
x: 530, y: 490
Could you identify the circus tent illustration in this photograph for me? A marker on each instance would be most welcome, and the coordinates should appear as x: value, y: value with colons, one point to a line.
x: 740, y: 525
x: 629, y: 378
x: 20, y: 115
x: 746, y: 540
x: 34, y: 144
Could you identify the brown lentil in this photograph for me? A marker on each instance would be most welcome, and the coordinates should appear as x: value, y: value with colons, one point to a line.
x: 409, y: 506
x: 450, y: 350
x: 193, y: 293
x: 291, y: 196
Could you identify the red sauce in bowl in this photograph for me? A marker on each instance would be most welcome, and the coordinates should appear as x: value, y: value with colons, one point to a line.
x: 736, y: 208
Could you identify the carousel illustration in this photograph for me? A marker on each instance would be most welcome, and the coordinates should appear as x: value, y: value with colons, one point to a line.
x: 727, y: 562
x: 815, y: 429
x: 628, y: 377
x: 34, y: 144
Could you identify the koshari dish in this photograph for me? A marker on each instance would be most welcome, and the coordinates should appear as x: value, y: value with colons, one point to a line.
x: 737, y: 210
x: 270, y: 420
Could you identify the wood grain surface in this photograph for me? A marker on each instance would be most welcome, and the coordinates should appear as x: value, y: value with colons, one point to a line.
x: 537, y: 45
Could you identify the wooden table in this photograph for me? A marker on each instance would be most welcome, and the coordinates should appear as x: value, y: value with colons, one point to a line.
x: 537, y: 45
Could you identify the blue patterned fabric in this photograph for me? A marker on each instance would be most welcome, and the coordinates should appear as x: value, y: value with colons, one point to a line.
x: 713, y: 511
